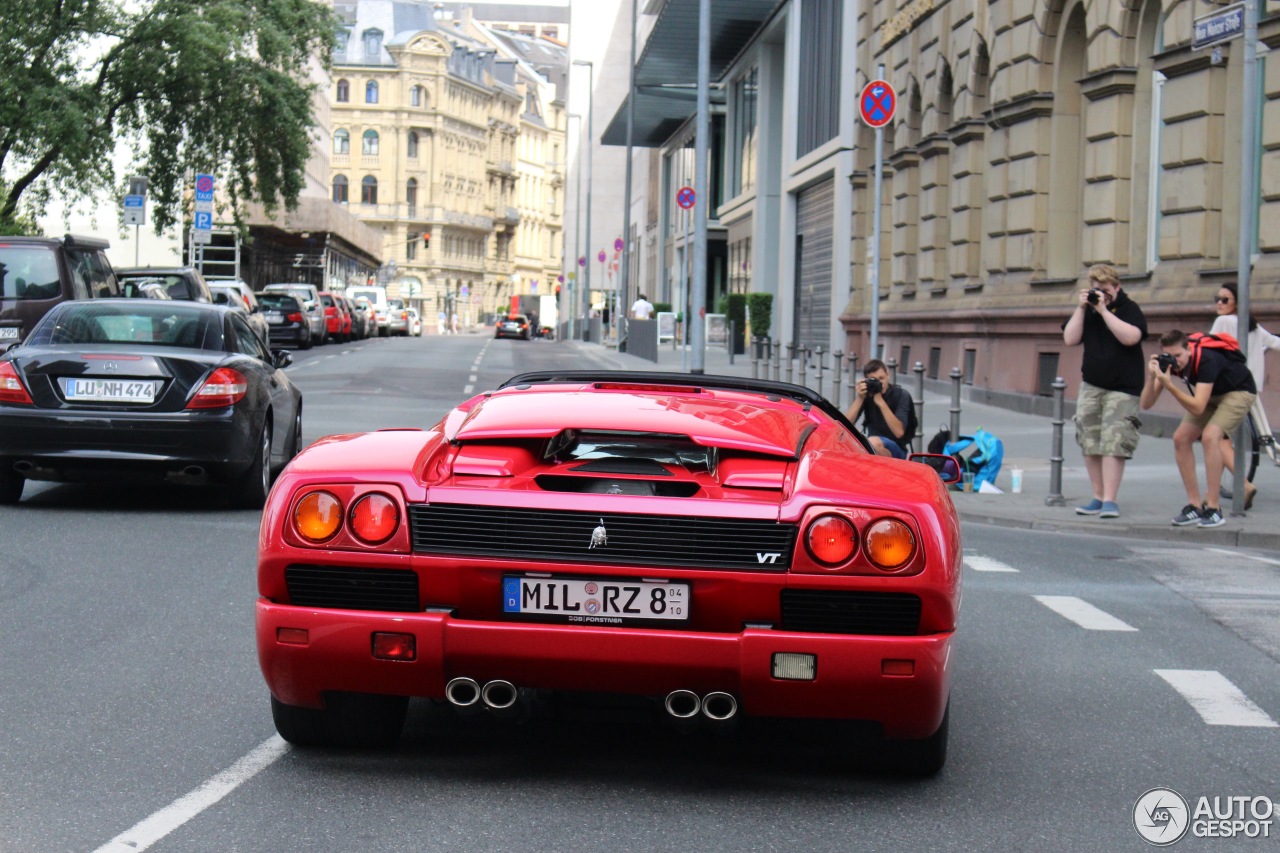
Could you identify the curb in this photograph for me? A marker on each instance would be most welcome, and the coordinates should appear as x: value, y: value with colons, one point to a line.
x: 1147, y: 532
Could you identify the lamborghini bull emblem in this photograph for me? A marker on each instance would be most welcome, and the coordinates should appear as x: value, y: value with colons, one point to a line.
x: 599, y: 536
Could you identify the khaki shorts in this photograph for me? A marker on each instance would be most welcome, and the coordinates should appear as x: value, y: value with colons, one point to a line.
x: 1225, y: 412
x: 1107, y: 422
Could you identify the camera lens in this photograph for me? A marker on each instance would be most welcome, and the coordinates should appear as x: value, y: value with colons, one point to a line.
x: 874, y: 386
x: 1094, y: 296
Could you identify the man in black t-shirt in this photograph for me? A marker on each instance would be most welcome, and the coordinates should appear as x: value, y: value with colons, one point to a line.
x: 1220, y: 390
x: 885, y: 410
x: 1111, y: 326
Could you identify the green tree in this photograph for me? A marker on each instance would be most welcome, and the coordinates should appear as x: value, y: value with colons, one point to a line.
x: 218, y: 86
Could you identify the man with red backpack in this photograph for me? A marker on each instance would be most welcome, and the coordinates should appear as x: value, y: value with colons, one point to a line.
x: 1219, y: 392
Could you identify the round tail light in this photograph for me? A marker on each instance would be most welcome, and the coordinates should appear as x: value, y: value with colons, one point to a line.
x: 831, y: 539
x: 317, y: 516
x: 374, y: 518
x: 890, y: 544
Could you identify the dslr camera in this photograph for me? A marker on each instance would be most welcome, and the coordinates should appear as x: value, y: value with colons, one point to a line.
x: 1167, y: 362
x: 874, y: 387
x: 1094, y: 297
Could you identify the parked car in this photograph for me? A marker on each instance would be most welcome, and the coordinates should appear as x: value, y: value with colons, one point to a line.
x: 245, y: 291
x: 363, y: 314
x: 355, y: 324
x: 513, y: 326
x: 37, y: 273
x: 337, y: 320
x: 415, y: 322
x: 232, y: 297
x: 722, y: 547
x: 377, y: 297
x: 397, y: 317
x: 152, y: 388
x: 185, y: 283
x: 143, y: 290
x: 287, y: 321
x: 312, y: 307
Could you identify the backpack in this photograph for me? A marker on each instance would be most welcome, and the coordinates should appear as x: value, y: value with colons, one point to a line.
x: 986, y: 453
x: 1222, y: 342
x: 939, y: 441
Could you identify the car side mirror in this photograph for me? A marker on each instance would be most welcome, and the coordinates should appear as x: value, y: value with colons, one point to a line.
x: 281, y: 358
x: 948, y: 467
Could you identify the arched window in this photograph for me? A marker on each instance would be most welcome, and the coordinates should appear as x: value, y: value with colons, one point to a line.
x: 413, y: 143
x: 341, y: 142
x: 1066, y: 178
x: 369, y: 190
x: 340, y: 186
x: 344, y: 91
x: 372, y: 43
x: 371, y: 92
x: 411, y: 195
x: 369, y: 143
x: 415, y: 96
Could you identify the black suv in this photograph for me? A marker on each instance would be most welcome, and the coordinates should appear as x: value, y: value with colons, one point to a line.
x: 185, y: 283
x: 36, y: 273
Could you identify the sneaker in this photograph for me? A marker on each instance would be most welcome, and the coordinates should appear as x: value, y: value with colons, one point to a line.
x: 1093, y: 507
x: 1190, y: 515
x: 1110, y: 509
x: 1211, y: 516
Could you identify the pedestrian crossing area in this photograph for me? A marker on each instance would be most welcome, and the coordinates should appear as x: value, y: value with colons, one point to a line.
x: 1211, y: 694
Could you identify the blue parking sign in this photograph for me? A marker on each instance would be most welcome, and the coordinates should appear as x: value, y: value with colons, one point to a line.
x: 203, y: 220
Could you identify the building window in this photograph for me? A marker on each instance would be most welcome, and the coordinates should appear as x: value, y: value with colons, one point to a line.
x: 551, y: 32
x: 369, y: 190
x: 344, y: 38
x: 371, y: 92
x: 904, y: 358
x: 413, y: 143
x: 745, y: 95
x: 369, y: 143
x: 415, y: 96
x: 411, y: 246
x: 819, y: 107
x: 935, y: 361
x: 344, y: 91
x: 1046, y: 373
x: 372, y: 43
x: 340, y: 186
x: 341, y: 142
x: 970, y: 365
x: 411, y: 196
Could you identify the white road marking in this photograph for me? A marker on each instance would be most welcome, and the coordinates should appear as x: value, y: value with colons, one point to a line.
x: 347, y: 351
x: 1231, y: 553
x: 1083, y: 613
x: 467, y: 389
x: 986, y: 564
x: 142, y: 835
x: 472, y: 377
x: 1215, y: 699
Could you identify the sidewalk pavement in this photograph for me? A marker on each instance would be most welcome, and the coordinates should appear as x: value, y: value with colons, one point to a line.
x: 1150, y: 494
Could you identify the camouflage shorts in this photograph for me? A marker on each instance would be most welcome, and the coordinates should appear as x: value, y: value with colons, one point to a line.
x: 1107, y: 422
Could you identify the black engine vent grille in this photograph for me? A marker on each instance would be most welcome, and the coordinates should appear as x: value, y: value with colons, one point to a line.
x: 838, y: 612
x: 639, y: 540
x: 353, y: 589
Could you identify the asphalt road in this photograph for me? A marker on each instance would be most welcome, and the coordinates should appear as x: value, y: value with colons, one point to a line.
x: 1088, y: 671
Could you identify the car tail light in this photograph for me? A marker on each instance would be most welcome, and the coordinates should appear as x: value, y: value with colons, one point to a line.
x: 317, y: 516
x: 295, y: 317
x: 831, y: 539
x: 394, y: 646
x: 890, y: 544
x: 224, y: 387
x: 11, y: 388
x: 374, y: 518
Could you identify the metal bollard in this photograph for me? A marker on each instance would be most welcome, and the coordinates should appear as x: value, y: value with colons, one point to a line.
x: 955, y: 403
x: 818, y: 365
x: 775, y: 355
x: 892, y: 364
x: 733, y: 342
x: 791, y: 357
x: 852, y: 380
x: 836, y: 380
x: 918, y: 370
x: 1055, y: 497
x: 804, y: 365
x: 755, y: 358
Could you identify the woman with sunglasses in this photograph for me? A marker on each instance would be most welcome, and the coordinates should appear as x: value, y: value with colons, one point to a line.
x: 1260, y: 340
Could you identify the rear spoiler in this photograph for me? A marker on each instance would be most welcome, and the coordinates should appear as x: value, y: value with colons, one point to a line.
x: 765, y: 387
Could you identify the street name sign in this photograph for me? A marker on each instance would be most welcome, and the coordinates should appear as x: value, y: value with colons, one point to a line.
x: 1223, y: 25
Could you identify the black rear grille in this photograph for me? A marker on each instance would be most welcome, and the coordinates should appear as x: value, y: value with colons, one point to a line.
x: 638, y: 540
x: 823, y: 611
x: 352, y: 589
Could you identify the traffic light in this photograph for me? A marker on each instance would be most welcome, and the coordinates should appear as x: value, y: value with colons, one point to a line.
x: 426, y: 239
x: 557, y: 290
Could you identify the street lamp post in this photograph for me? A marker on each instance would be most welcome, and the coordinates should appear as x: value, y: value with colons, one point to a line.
x: 586, y: 270
x: 577, y: 229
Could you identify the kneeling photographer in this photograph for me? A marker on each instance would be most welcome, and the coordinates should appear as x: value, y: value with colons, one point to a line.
x: 886, y: 411
x: 1219, y: 392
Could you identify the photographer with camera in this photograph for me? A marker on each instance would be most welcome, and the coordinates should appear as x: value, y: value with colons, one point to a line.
x: 885, y: 421
x: 1220, y: 390
x: 1111, y: 326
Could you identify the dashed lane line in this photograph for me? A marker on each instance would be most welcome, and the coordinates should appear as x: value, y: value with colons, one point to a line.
x: 142, y: 835
x: 986, y: 564
x: 1216, y: 699
x: 1083, y: 613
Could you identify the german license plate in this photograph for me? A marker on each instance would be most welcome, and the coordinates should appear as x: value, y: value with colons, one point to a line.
x: 9, y: 333
x: 109, y: 390
x: 275, y: 317
x: 597, y: 602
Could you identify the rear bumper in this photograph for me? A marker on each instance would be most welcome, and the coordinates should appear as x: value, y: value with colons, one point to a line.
x: 850, y: 681
x: 287, y: 334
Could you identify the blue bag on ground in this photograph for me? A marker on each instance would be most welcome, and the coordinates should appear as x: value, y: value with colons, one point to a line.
x: 986, y: 453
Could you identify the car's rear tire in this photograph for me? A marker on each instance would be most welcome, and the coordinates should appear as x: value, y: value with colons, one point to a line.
x: 306, y: 340
x: 250, y: 489
x: 347, y: 720
x: 295, y: 440
x: 921, y: 758
x: 11, y: 487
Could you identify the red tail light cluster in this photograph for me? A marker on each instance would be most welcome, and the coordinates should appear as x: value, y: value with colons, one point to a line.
x: 295, y: 317
x: 11, y: 388
x: 224, y: 387
x: 372, y: 518
x: 887, y: 543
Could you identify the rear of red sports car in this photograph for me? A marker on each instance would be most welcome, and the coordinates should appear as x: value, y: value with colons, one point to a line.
x: 726, y: 548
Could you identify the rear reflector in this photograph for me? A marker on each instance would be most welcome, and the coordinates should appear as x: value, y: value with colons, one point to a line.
x: 292, y: 636
x: 792, y: 666
x: 897, y: 667
x: 395, y: 646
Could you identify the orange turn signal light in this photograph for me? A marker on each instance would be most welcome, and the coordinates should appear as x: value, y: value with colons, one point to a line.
x: 890, y: 544
x: 318, y: 516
